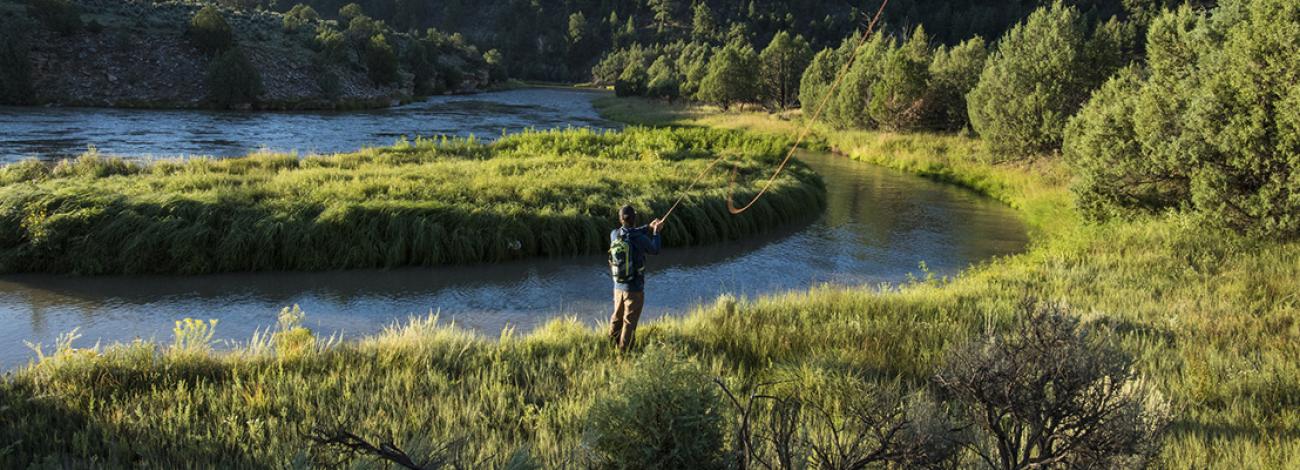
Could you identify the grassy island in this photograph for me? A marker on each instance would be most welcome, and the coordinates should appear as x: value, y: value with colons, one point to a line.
x: 426, y: 202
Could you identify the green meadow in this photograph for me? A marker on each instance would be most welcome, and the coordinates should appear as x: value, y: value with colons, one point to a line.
x: 1210, y: 318
x: 421, y: 203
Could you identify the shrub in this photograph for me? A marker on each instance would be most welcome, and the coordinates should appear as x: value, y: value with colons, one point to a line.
x: 834, y: 420
x: 299, y: 16
x: 1210, y: 123
x: 663, y: 413
x: 1037, y: 78
x: 191, y: 336
x: 290, y: 338
x: 15, y: 68
x: 361, y: 29
x: 24, y: 170
x: 351, y: 11
x: 233, y: 80
x: 210, y: 32
x: 898, y: 97
x: 782, y: 64
x: 1054, y: 393
x: 953, y: 73
x: 60, y: 16
x: 381, y: 61
x: 332, y: 46
x: 731, y: 78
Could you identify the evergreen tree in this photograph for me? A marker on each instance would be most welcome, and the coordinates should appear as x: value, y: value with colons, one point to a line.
x: 1039, y: 75
x: 664, y: 81
x: 577, y: 28
x: 496, y: 65
x: 381, y: 61
x: 632, y: 82
x: 233, y: 80
x: 210, y: 32
x: 1211, y: 123
x: 299, y: 16
x: 782, y: 65
x: 704, y: 27
x: 331, y: 45
x: 415, y: 59
x: 849, y: 105
x: 663, y: 14
x: 953, y: 73
x: 816, y: 80
x: 898, y: 97
x: 350, y: 11
x: 731, y: 78
x: 694, y: 65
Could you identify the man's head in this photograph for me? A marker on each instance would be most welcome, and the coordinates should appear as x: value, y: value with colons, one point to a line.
x: 627, y: 216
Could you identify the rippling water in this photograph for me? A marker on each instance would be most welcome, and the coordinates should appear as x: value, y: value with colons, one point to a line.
x: 56, y: 133
x: 878, y: 227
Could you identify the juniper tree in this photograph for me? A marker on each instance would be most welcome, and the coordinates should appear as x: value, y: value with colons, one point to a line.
x: 1211, y: 122
x: 731, y: 77
x: 1039, y: 75
x: 233, y: 80
x: 898, y: 96
x: 953, y: 73
x: 210, y: 32
x: 663, y: 79
x: 782, y: 64
x: 381, y: 62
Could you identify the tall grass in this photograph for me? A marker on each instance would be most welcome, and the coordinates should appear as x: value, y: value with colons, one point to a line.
x: 1212, y: 319
x: 427, y: 202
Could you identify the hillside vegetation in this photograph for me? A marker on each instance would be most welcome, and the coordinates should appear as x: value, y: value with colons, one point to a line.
x: 184, y: 54
x: 427, y: 202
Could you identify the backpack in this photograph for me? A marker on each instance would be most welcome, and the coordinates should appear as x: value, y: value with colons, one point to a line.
x: 622, y: 265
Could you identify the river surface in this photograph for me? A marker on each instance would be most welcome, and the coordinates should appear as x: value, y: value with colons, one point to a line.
x: 52, y: 134
x: 879, y: 226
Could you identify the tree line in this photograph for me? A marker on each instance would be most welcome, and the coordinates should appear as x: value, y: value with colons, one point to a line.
x: 1184, y: 107
x: 562, y: 39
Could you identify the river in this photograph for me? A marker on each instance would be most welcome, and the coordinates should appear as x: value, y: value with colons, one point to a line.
x: 879, y: 226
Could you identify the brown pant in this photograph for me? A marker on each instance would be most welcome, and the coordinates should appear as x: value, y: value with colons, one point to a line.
x: 627, y: 310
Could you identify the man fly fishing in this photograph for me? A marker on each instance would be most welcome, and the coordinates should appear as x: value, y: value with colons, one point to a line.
x: 628, y: 247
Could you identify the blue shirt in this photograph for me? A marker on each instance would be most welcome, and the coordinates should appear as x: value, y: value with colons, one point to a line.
x: 643, y: 243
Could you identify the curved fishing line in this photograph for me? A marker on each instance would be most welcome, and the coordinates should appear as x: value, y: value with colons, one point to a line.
x: 803, y: 134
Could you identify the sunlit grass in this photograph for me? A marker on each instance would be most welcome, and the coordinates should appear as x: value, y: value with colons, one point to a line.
x: 426, y: 202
